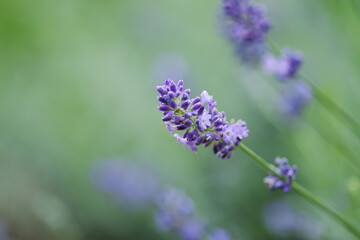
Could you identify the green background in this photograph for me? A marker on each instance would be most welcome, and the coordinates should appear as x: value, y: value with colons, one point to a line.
x: 77, y: 85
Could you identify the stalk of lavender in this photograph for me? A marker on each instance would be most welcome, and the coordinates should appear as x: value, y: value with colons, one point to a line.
x: 302, y: 192
x: 207, y: 126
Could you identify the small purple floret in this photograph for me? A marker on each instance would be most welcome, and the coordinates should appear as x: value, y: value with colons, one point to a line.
x: 284, y: 170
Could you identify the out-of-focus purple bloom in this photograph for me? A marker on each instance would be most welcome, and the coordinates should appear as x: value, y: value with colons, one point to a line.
x: 284, y: 67
x: 174, y: 208
x: 199, y: 119
x: 284, y: 170
x: 297, y: 95
x: 280, y: 218
x: 126, y: 182
x: 3, y: 232
x: 219, y: 234
x: 246, y: 26
x: 192, y: 230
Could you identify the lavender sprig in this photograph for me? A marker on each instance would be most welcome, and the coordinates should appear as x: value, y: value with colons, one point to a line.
x: 246, y: 26
x: 199, y: 119
x: 302, y: 191
x: 287, y: 172
x: 172, y: 98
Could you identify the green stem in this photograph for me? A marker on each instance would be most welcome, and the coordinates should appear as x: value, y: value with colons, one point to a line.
x: 303, y: 192
x: 327, y: 102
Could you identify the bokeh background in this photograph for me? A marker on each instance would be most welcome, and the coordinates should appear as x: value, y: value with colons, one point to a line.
x: 77, y: 87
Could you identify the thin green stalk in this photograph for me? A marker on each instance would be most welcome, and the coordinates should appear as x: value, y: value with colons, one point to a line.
x: 327, y: 102
x: 303, y: 192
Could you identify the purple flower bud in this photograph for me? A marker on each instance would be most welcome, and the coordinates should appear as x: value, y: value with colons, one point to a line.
x: 172, y: 104
x: 196, y: 106
x: 161, y: 90
x: 167, y: 117
x: 164, y: 107
x: 176, y: 119
x: 171, y: 95
x: 163, y: 99
x: 182, y: 127
x: 185, y: 97
x: 180, y: 85
x: 188, y: 123
x: 173, y: 87
x: 196, y: 100
x: 201, y: 110
x: 185, y: 104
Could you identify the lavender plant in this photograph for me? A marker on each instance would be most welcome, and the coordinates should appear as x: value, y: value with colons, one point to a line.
x: 182, y: 114
x: 199, y: 119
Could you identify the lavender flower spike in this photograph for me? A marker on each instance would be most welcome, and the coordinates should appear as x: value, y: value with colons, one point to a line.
x: 246, y: 26
x: 200, y: 121
x: 284, y: 170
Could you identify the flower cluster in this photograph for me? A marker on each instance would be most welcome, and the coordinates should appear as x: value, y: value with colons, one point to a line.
x: 286, y: 171
x: 176, y: 214
x: 284, y: 67
x: 201, y: 122
x: 246, y: 26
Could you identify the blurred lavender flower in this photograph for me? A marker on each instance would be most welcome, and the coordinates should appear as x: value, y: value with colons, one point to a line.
x: 174, y: 209
x: 281, y: 219
x: 126, y: 182
x: 219, y: 234
x: 3, y: 232
x: 286, y: 171
x: 170, y: 63
x: 192, y: 230
x: 284, y: 67
x: 176, y: 213
x: 246, y: 26
x: 200, y: 120
x: 297, y: 95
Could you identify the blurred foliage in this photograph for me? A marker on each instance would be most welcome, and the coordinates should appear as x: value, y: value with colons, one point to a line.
x: 77, y: 84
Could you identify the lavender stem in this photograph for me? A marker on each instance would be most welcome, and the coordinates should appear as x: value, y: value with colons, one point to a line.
x: 304, y: 192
